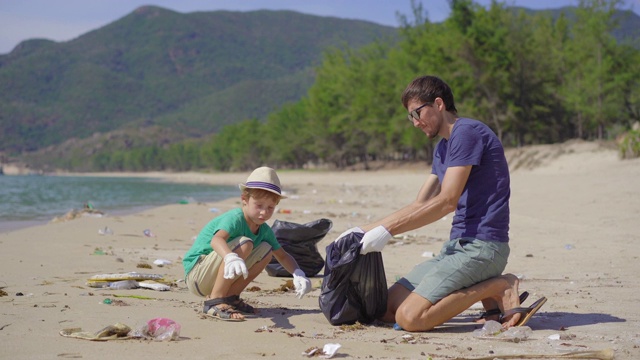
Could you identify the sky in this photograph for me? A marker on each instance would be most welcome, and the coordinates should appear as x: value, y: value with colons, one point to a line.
x: 63, y: 20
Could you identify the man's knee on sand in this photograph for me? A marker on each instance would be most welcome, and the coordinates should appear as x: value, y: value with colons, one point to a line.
x: 411, y: 314
x: 410, y: 320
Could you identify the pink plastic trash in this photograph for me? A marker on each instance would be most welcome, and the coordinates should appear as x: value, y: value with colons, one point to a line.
x: 163, y: 329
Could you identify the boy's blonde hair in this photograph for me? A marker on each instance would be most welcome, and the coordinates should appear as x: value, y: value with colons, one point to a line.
x: 260, y: 194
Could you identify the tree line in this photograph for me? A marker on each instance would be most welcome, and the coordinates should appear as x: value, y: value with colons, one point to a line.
x: 532, y: 78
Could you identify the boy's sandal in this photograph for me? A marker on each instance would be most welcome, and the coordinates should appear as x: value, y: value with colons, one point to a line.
x: 223, y: 312
x: 493, y: 312
x: 242, y: 306
x: 220, y: 309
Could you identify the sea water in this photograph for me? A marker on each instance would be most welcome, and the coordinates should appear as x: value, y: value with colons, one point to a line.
x: 37, y: 199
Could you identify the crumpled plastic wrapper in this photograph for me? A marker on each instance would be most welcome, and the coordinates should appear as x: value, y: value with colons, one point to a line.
x: 158, y: 329
x: 328, y: 351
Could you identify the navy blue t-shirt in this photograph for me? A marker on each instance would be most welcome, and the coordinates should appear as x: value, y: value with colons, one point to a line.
x: 483, y: 208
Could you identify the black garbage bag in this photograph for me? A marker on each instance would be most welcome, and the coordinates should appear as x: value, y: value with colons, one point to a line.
x: 300, y: 241
x: 354, y: 287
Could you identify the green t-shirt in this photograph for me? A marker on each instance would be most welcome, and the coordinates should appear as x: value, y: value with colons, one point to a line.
x: 234, y: 223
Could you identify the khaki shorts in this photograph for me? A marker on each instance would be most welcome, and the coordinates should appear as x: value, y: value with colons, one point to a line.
x: 202, y: 277
x: 461, y: 263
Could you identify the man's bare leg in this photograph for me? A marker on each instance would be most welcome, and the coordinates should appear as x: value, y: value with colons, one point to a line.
x: 397, y: 295
x: 488, y: 305
x: 416, y: 313
x: 510, y: 300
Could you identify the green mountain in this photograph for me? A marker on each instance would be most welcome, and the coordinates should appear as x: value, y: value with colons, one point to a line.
x: 157, y: 76
x: 191, y: 73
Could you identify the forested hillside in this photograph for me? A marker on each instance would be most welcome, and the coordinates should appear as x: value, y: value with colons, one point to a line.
x: 534, y: 77
x: 189, y: 73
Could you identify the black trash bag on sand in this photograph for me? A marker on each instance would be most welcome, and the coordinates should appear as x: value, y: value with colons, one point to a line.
x: 354, y: 287
x: 300, y: 241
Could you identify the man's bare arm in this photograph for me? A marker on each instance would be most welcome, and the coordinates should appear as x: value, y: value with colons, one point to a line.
x: 430, y: 204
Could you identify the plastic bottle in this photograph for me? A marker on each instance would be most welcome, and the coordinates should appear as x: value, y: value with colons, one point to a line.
x: 494, y: 329
x: 105, y: 231
x: 148, y: 233
x: 490, y: 328
x: 517, y: 333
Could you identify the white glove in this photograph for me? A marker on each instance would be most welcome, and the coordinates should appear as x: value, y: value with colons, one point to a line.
x: 234, y: 266
x: 374, y: 240
x: 301, y: 283
x: 352, y: 230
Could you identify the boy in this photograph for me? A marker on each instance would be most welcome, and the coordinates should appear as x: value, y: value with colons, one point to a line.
x: 239, y: 242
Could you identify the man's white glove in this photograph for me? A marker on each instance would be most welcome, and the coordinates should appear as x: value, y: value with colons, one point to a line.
x: 374, y: 240
x: 234, y: 266
x: 301, y: 283
x: 352, y: 230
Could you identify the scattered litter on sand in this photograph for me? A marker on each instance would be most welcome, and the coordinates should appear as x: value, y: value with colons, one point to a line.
x: 327, y: 352
x: 158, y: 329
x: 161, y: 262
x: 493, y: 330
x: 130, y: 280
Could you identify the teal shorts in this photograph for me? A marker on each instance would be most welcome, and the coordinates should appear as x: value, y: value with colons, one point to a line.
x: 461, y: 263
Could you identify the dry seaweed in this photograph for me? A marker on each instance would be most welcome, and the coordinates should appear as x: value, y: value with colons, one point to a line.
x: 353, y: 327
x: 286, y: 286
x: 117, y: 302
x: 134, y: 297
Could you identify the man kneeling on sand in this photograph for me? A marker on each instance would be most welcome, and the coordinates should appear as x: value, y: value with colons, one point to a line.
x: 469, y: 176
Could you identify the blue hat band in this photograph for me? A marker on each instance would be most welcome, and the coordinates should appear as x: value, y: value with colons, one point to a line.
x: 263, y: 185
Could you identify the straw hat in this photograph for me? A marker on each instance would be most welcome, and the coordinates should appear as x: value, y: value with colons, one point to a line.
x: 264, y: 178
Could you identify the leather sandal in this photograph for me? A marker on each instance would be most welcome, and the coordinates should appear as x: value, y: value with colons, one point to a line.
x: 494, y: 312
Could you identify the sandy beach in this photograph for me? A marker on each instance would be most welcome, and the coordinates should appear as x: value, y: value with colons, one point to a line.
x: 575, y: 238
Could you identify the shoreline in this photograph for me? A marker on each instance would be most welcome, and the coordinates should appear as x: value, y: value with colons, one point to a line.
x: 15, y: 225
x: 526, y: 158
x: 119, y: 201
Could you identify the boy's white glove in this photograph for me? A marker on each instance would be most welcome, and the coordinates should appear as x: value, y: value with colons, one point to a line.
x: 374, y: 240
x: 352, y: 230
x: 301, y: 283
x: 234, y: 266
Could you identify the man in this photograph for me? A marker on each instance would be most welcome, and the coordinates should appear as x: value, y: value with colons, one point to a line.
x: 469, y: 176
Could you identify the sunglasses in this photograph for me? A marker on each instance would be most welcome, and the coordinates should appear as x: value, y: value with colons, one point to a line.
x: 415, y: 114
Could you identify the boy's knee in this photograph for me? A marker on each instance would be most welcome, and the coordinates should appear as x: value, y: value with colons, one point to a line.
x: 262, y: 264
x: 260, y: 255
x: 243, y: 246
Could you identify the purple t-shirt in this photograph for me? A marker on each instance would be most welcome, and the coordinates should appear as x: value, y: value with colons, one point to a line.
x: 483, y: 208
